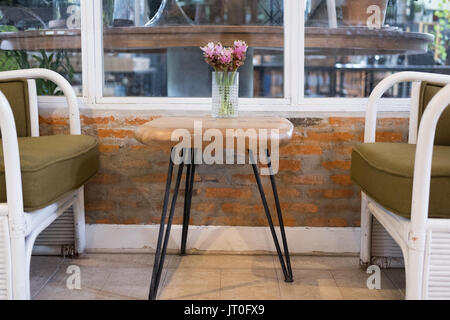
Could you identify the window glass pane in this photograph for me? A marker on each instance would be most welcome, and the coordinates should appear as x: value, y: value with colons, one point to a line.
x: 44, y: 34
x: 152, y: 46
x: 373, y: 38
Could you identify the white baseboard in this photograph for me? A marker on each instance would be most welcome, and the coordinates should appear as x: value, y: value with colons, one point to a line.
x: 143, y: 238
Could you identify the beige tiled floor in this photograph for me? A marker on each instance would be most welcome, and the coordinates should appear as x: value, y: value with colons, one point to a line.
x: 127, y: 276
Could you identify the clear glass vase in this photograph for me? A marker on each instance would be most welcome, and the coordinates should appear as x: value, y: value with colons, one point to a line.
x: 225, y: 94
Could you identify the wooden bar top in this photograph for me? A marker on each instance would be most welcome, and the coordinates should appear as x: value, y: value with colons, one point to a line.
x: 159, y: 131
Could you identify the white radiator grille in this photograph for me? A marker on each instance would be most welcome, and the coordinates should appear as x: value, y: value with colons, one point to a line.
x: 438, y: 284
x: 384, y: 250
x: 5, y: 258
x: 60, y: 232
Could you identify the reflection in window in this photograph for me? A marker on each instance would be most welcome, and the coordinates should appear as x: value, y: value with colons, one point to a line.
x: 152, y: 46
x: 24, y: 46
x: 353, y: 73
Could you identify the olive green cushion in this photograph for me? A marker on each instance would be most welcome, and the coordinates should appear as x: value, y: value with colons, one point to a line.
x: 16, y: 91
x: 427, y: 91
x: 384, y: 171
x: 52, y: 166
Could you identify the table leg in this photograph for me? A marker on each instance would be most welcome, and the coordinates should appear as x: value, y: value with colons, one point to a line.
x: 285, y: 265
x: 160, y: 253
x: 190, y: 176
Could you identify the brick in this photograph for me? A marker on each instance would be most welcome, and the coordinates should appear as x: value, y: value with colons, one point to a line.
x: 245, y: 179
x: 303, y: 207
x: 301, y: 150
x: 391, y: 122
x: 96, y: 120
x: 138, y: 164
x: 241, y: 208
x: 129, y: 204
x: 106, y: 148
x: 337, y: 193
x: 330, y: 193
x: 151, y: 178
x: 138, y: 121
x: 289, y: 165
x: 102, y: 178
x: 325, y: 222
x: 388, y: 136
x: 337, y: 164
x: 54, y: 120
x: 228, y: 193
x: 205, y: 207
x: 100, y: 205
x: 305, y: 179
x: 345, y: 121
x: 343, y: 150
x: 115, y: 133
x: 289, y: 192
x: 331, y: 136
x: 341, y: 179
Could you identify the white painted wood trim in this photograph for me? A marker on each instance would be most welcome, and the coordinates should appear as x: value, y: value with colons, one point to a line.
x: 33, y: 107
x: 143, y: 238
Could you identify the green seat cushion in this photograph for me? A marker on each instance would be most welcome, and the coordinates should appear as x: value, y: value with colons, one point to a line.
x: 427, y: 91
x: 384, y: 171
x: 52, y: 166
x: 16, y: 91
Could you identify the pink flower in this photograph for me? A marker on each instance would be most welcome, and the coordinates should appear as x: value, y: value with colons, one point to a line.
x: 240, y: 48
x: 208, y: 50
x: 218, y: 49
x: 225, y: 59
x: 226, y: 56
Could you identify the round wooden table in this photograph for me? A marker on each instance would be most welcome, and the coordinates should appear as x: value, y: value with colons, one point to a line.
x: 159, y: 131
x: 324, y: 41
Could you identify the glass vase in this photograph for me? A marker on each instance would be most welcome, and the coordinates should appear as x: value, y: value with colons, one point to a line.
x: 225, y: 94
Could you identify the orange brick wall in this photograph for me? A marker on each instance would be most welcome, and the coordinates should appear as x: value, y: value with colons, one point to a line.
x: 314, y: 184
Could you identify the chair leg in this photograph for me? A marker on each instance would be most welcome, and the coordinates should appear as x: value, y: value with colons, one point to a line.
x: 161, y: 247
x: 414, y: 263
x: 366, y: 233
x: 79, y: 221
x: 20, y: 269
x: 285, y: 265
x: 190, y: 176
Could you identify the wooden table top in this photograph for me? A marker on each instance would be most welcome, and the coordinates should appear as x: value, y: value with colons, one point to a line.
x: 342, y: 41
x: 159, y: 131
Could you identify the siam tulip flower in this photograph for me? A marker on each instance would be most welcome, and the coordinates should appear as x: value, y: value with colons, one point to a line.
x: 218, y: 49
x: 208, y: 50
x: 240, y: 49
x: 226, y: 56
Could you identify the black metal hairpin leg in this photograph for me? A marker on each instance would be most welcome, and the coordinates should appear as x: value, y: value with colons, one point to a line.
x: 160, y: 253
x: 285, y: 265
x: 190, y: 176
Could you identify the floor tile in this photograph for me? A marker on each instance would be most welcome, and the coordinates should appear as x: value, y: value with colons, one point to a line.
x: 322, y: 262
x: 92, y: 280
x: 397, y: 276
x: 116, y: 260
x: 256, y: 284
x: 41, y: 270
x: 309, y: 285
x: 199, y: 284
x: 353, y: 286
x: 129, y: 282
x: 222, y: 261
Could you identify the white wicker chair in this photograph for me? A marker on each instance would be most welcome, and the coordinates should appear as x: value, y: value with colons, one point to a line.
x: 19, y: 229
x: 424, y: 241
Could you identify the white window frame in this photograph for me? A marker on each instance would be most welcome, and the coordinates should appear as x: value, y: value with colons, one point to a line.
x: 294, y: 100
